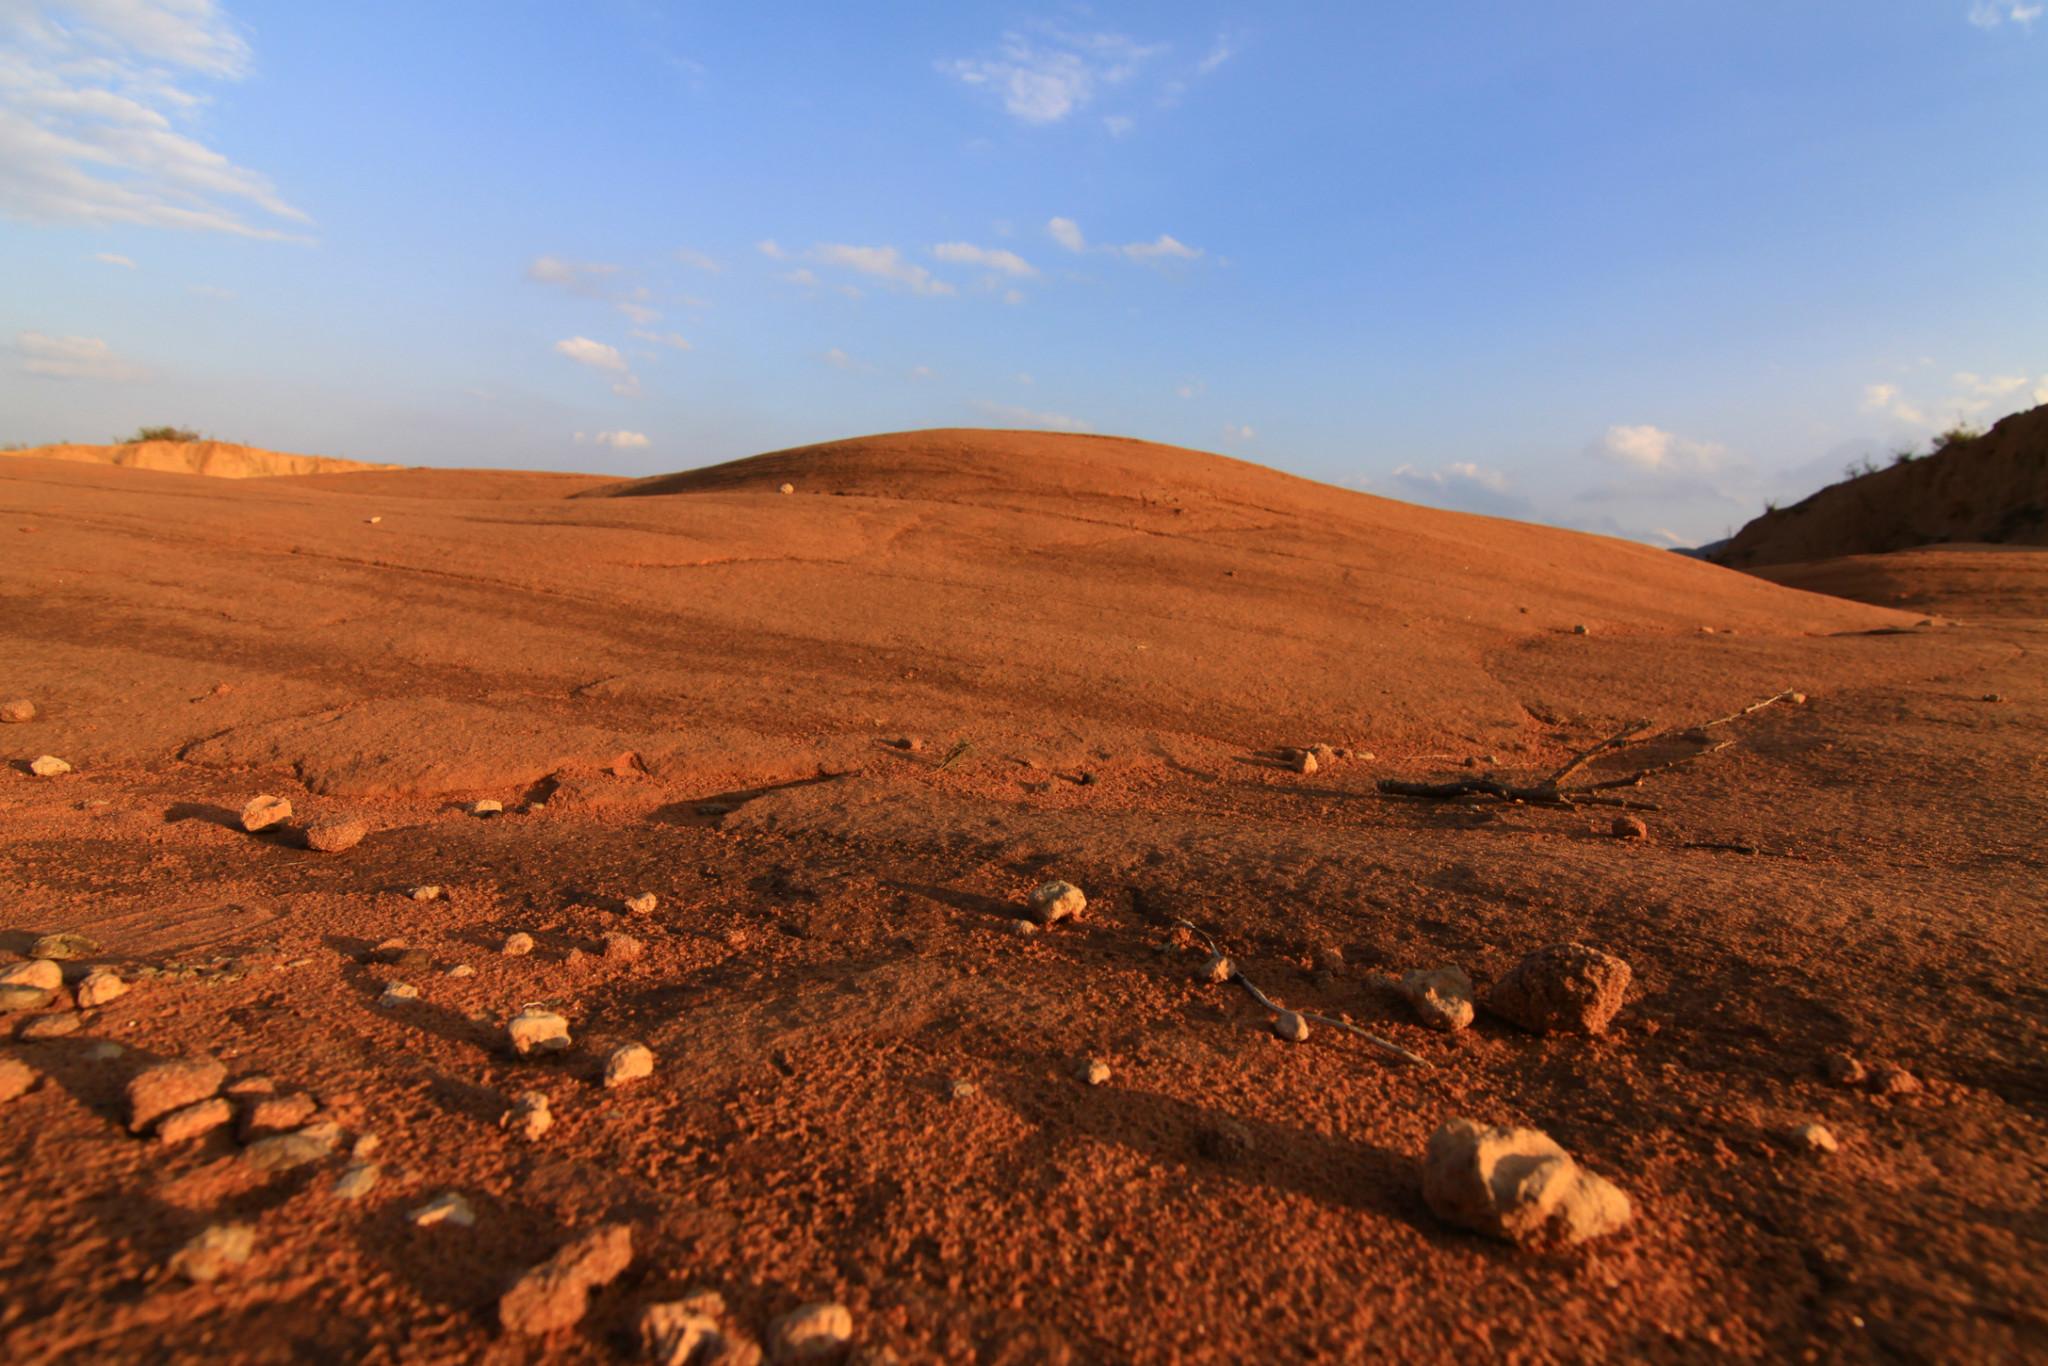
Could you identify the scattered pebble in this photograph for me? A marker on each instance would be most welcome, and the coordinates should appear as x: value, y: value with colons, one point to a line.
x: 65, y: 947
x: 17, y: 711
x: 1797, y: 699
x: 1812, y: 1137
x: 262, y: 812
x: 156, y: 1091
x: 1023, y: 929
x: 364, y: 1146
x: 100, y: 987
x: 274, y: 1114
x: 529, y: 1115
x: 462, y: 970
x: 14, y: 997
x: 622, y: 948
x: 643, y: 904
x: 1291, y: 1026
x: 1219, y: 968
x: 912, y: 743
x: 427, y: 892
x: 254, y: 1085
x: 1094, y: 1071
x: 1844, y: 1068
x: 202, y: 1117
x: 1629, y: 828
x: 16, y: 1077
x: 48, y: 766
x: 1224, y: 1140
x: 517, y: 944
x: 1052, y: 902
x: 1303, y: 761
x: 687, y: 1332
x: 447, y: 1208
x: 41, y: 973
x: 628, y: 1062
x: 960, y: 1088
x: 49, y: 1027
x: 1323, y: 754
x: 1579, y: 630
x: 1562, y: 988
x: 487, y: 807
x: 1994, y: 697
x: 337, y: 834
x: 358, y: 1181
x: 535, y: 1030
x: 1442, y: 997
x: 287, y: 1152
x: 816, y: 1332
x: 555, y: 1294
x: 398, y: 994
x: 1516, y: 1184
x: 215, y: 1251
x: 1890, y: 1079
x: 789, y: 488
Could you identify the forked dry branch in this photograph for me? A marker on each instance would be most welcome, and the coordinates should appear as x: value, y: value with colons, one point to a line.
x: 1551, y: 791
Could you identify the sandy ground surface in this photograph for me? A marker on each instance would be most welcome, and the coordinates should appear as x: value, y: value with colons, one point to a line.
x: 693, y: 692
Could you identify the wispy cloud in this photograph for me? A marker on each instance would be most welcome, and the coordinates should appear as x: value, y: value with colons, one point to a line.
x: 1238, y: 431
x: 1044, y: 74
x: 114, y: 259
x: 1464, y: 487
x: 1655, y: 451
x: 995, y: 258
x: 771, y: 249
x: 92, y: 93
x: 599, y: 355
x: 73, y: 358
x: 1067, y: 233
x: 588, y: 278
x: 1010, y: 416
x: 698, y: 260
x: 674, y: 341
x: 618, y: 441
x: 1990, y: 14
x: 881, y: 263
x: 1164, y: 247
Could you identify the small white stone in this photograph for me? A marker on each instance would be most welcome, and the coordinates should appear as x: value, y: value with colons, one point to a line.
x: 41, y: 973
x: 449, y: 1208
x: 534, y: 1030
x: 960, y: 1088
x: 643, y: 904
x: 816, y: 1332
x: 517, y: 944
x: 358, y: 1181
x: 48, y: 766
x: 1095, y: 1071
x: 486, y: 807
x: 214, y: 1251
x: 100, y: 987
x: 1052, y: 902
x: 398, y: 994
x: 628, y: 1062
x: 1291, y: 1026
x: 427, y: 892
x: 789, y: 488
x: 1814, y: 1138
x: 462, y: 970
x: 264, y: 811
x: 529, y: 1115
x: 1219, y: 968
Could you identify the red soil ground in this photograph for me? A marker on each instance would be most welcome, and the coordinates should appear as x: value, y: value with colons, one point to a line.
x: 688, y: 691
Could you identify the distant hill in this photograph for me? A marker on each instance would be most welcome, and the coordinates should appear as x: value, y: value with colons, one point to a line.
x: 1988, y: 490
x: 216, y: 459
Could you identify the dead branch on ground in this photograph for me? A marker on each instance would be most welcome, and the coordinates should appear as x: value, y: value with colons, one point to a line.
x: 1384, y: 1045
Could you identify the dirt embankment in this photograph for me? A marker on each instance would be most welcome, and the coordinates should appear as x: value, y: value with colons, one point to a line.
x: 215, y: 459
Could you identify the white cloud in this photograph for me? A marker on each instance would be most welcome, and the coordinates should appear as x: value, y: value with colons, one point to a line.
x: 995, y: 258
x: 1463, y: 486
x: 618, y: 441
x: 1067, y: 233
x: 1656, y: 451
x: 920, y: 372
x: 638, y: 312
x: 674, y: 341
x: 114, y: 259
x: 92, y: 93
x: 1119, y: 124
x: 595, y: 354
x: 1238, y: 431
x: 1224, y: 50
x: 839, y: 360
x: 1162, y: 248
x: 1026, y: 417
x: 74, y: 358
x: 804, y: 276
x: 1043, y: 76
x: 587, y: 278
x: 1990, y: 14
x: 883, y: 263
x: 1994, y: 386
x: 690, y: 256
x: 771, y: 249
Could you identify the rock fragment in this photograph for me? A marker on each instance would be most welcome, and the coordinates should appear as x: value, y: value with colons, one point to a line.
x: 1517, y: 1185
x: 1629, y: 828
x: 427, y: 891
x: 1323, y: 754
x: 288, y: 1152
x: 1441, y: 997
x: 214, y: 1251
x: 816, y: 1332
x: 529, y: 1116
x: 1094, y: 1071
x: 100, y: 987
x: 16, y: 1077
x: 1562, y: 988
x: 358, y: 1181
x: 517, y: 944
x: 65, y: 946
x: 1303, y: 761
x: 1890, y: 1079
x: 1052, y: 902
x: 264, y: 811
x: 487, y: 807
x: 1219, y: 968
x: 398, y: 994
x: 1813, y: 1137
x: 622, y: 948
x: 628, y: 1063
x: 49, y: 1027
x: 689, y: 1332
x: 1224, y: 1140
x: 960, y: 1088
x: 14, y: 996
x: 447, y: 1208
x: 462, y: 970
x: 1844, y: 1068
x: 17, y: 711
x: 536, y: 1030
x: 274, y: 1114
x: 40, y: 973
x: 1291, y: 1025
x: 202, y: 1117
x: 156, y: 1091
x: 48, y: 766
x: 555, y: 1294
x: 336, y: 834
x: 642, y: 904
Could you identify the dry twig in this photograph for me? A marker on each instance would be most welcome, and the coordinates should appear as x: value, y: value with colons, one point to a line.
x: 1384, y: 1045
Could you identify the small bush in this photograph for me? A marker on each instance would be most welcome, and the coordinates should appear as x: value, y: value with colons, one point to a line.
x: 1956, y: 436
x: 162, y: 434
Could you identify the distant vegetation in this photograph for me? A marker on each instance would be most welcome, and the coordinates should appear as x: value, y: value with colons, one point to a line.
x: 160, y: 434
x: 1956, y: 436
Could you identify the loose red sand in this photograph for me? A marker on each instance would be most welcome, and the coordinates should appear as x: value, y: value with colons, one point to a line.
x: 699, y: 682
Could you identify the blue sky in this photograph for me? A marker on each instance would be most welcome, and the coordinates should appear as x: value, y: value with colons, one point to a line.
x: 1630, y: 267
